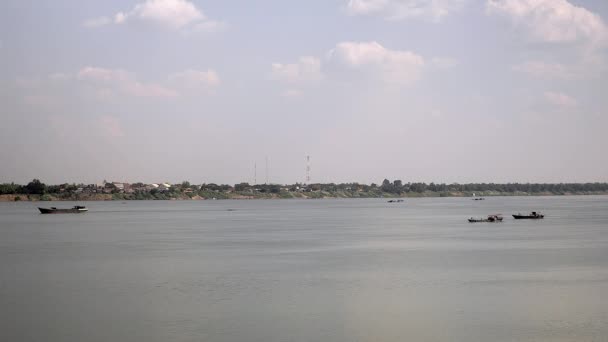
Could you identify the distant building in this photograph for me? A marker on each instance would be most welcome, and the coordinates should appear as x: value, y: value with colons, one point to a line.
x: 128, y: 188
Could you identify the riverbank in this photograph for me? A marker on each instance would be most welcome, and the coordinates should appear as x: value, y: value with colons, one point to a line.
x: 280, y: 195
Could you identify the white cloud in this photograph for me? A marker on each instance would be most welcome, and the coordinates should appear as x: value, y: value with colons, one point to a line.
x: 195, y: 79
x: 560, y: 99
x: 307, y: 69
x: 123, y: 82
x: 120, y: 18
x: 176, y: 15
x: 366, y: 6
x: 359, y: 60
x: 554, y: 21
x: 103, y: 75
x: 173, y: 14
x: 546, y: 70
x: 109, y: 84
x: 373, y: 59
x: 434, y: 10
x: 97, y: 22
x: 558, y: 23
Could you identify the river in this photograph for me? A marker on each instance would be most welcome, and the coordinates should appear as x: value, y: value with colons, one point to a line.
x: 306, y: 270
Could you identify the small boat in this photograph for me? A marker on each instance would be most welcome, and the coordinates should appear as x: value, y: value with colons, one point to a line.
x: 532, y: 215
x: 497, y: 217
x: 395, y: 201
x: 491, y: 218
x: 477, y: 198
x: 75, y: 210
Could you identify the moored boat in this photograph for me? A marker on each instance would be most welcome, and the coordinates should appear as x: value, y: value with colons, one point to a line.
x: 532, y: 215
x: 477, y: 198
x: 491, y: 218
x: 75, y: 210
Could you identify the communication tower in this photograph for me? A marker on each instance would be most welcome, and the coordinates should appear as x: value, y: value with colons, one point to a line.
x: 307, y: 169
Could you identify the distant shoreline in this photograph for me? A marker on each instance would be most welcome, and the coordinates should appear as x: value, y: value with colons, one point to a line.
x: 117, y: 191
x: 315, y: 195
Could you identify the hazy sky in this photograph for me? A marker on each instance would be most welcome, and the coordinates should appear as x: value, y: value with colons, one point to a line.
x: 200, y: 90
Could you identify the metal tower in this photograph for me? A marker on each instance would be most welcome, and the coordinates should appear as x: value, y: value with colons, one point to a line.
x: 307, y: 169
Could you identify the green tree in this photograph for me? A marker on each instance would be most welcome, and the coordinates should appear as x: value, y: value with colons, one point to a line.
x: 35, y: 187
x: 11, y: 188
x: 387, y: 186
x: 241, y: 186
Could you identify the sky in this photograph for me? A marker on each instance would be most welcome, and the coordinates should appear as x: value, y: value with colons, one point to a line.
x: 208, y: 91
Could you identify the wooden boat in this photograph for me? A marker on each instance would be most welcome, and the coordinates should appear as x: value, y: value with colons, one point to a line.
x: 491, y: 218
x: 75, y: 210
x: 533, y: 215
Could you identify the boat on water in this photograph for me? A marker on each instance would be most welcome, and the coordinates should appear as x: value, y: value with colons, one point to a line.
x: 395, y: 201
x: 532, y: 215
x: 477, y: 198
x: 491, y: 218
x: 77, y: 209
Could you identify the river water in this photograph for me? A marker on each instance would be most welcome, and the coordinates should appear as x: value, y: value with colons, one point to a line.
x: 306, y: 270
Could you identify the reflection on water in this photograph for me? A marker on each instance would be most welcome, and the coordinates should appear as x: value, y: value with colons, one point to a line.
x: 306, y: 270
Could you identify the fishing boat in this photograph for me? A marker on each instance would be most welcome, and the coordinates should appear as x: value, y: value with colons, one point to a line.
x: 477, y: 198
x: 77, y: 209
x: 491, y: 218
x: 533, y: 215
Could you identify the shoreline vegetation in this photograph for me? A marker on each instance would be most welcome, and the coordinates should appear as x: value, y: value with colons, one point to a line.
x: 108, y: 191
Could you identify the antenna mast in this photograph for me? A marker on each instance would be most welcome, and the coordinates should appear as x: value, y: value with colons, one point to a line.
x: 307, y: 169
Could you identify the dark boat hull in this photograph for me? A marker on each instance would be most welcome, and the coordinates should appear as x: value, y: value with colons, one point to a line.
x: 479, y: 220
x: 528, y: 217
x: 491, y: 218
x: 62, y: 211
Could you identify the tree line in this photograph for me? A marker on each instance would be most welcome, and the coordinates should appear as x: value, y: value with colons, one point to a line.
x: 36, y: 187
x: 398, y: 186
